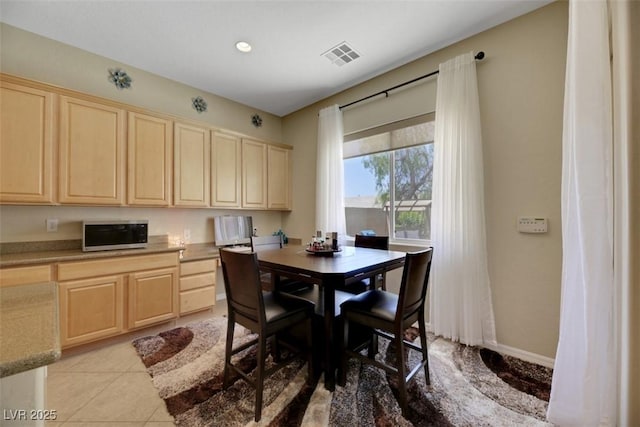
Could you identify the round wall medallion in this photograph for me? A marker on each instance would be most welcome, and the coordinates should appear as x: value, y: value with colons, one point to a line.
x: 199, y: 104
x: 120, y: 78
x: 256, y: 120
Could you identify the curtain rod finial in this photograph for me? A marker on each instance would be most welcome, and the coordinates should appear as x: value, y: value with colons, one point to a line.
x: 480, y: 56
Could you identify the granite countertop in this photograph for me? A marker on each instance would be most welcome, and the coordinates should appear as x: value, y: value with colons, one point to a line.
x: 30, y: 253
x: 29, y: 327
x: 51, y: 253
x: 198, y: 251
x: 59, y: 251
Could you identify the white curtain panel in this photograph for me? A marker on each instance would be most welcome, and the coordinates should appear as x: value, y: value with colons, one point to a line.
x: 460, y: 295
x: 622, y: 43
x: 585, y: 387
x: 330, y: 214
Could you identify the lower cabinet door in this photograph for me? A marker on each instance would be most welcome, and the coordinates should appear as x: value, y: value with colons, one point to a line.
x: 91, y: 309
x: 153, y: 297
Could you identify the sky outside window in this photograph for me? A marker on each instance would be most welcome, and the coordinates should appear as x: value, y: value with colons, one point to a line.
x: 359, y: 181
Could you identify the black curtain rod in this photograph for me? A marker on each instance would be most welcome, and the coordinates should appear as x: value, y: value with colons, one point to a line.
x: 479, y: 56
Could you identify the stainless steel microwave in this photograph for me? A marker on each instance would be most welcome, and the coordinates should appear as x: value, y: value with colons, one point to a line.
x: 119, y: 234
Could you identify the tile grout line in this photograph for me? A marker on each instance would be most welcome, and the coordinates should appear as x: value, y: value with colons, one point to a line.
x: 93, y: 398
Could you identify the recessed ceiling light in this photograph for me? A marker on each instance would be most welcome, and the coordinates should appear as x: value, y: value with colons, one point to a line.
x: 243, y: 46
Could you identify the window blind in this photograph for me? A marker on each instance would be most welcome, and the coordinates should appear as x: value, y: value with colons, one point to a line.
x: 391, y: 136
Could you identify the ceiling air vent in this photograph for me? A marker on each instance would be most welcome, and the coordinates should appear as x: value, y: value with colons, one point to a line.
x: 341, y: 54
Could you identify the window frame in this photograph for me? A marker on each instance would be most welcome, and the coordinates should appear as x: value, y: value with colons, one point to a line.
x: 377, y: 130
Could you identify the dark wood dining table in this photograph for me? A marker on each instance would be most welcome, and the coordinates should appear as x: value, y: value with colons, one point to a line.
x: 328, y: 271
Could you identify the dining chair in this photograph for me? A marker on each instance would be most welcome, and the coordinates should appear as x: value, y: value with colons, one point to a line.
x: 377, y: 281
x: 373, y: 242
x: 260, y: 243
x: 389, y: 315
x: 263, y: 243
x: 268, y: 314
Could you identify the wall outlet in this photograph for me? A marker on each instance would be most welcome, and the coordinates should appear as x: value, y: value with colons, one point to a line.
x: 52, y: 224
x: 187, y: 235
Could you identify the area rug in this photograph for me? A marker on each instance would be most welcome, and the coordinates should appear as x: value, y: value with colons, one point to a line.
x: 186, y: 366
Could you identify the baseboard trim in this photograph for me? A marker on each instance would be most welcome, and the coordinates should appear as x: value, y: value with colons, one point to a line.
x: 221, y: 297
x: 527, y: 356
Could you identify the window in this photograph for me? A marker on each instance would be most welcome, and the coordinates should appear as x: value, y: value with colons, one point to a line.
x: 388, y: 177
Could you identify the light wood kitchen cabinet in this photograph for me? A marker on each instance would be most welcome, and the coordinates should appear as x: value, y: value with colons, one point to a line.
x: 150, y: 160
x: 59, y: 146
x: 91, y: 309
x: 26, y: 144
x: 91, y: 154
x: 153, y: 297
x: 191, y: 165
x: 254, y: 174
x: 197, y: 285
x: 226, y: 171
x: 25, y: 275
x: 278, y: 178
x: 105, y: 297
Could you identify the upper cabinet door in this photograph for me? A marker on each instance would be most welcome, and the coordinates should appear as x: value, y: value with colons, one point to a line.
x: 279, y: 178
x: 191, y: 165
x: 150, y: 160
x: 254, y: 174
x: 26, y: 144
x: 92, y: 138
x: 226, y: 175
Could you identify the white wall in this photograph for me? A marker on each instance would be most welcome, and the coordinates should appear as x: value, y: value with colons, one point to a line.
x: 521, y: 83
x: 27, y: 223
x: 34, y: 57
x: 38, y: 58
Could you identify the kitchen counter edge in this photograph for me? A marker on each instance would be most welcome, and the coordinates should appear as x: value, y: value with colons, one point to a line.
x: 189, y: 252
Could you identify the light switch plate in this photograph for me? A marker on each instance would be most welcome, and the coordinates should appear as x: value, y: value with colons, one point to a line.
x: 530, y: 224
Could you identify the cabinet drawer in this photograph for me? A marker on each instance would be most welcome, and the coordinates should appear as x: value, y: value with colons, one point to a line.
x: 117, y: 265
x: 25, y: 275
x: 197, y: 281
x: 197, y: 267
x: 197, y: 299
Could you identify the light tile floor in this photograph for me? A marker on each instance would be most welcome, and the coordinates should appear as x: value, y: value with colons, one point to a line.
x: 106, y: 384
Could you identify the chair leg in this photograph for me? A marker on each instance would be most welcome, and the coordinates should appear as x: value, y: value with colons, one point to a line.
x: 275, y: 348
x: 310, y: 370
x: 344, y: 357
x: 423, y: 345
x: 259, y: 381
x: 402, y: 374
x: 373, y: 345
x: 228, y: 349
x: 383, y: 282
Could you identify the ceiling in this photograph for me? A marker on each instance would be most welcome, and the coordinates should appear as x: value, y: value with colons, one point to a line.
x: 193, y: 42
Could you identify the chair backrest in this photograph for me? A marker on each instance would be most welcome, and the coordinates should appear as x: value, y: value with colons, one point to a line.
x: 262, y: 243
x: 373, y: 242
x: 415, y: 278
x: 243, y: 287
